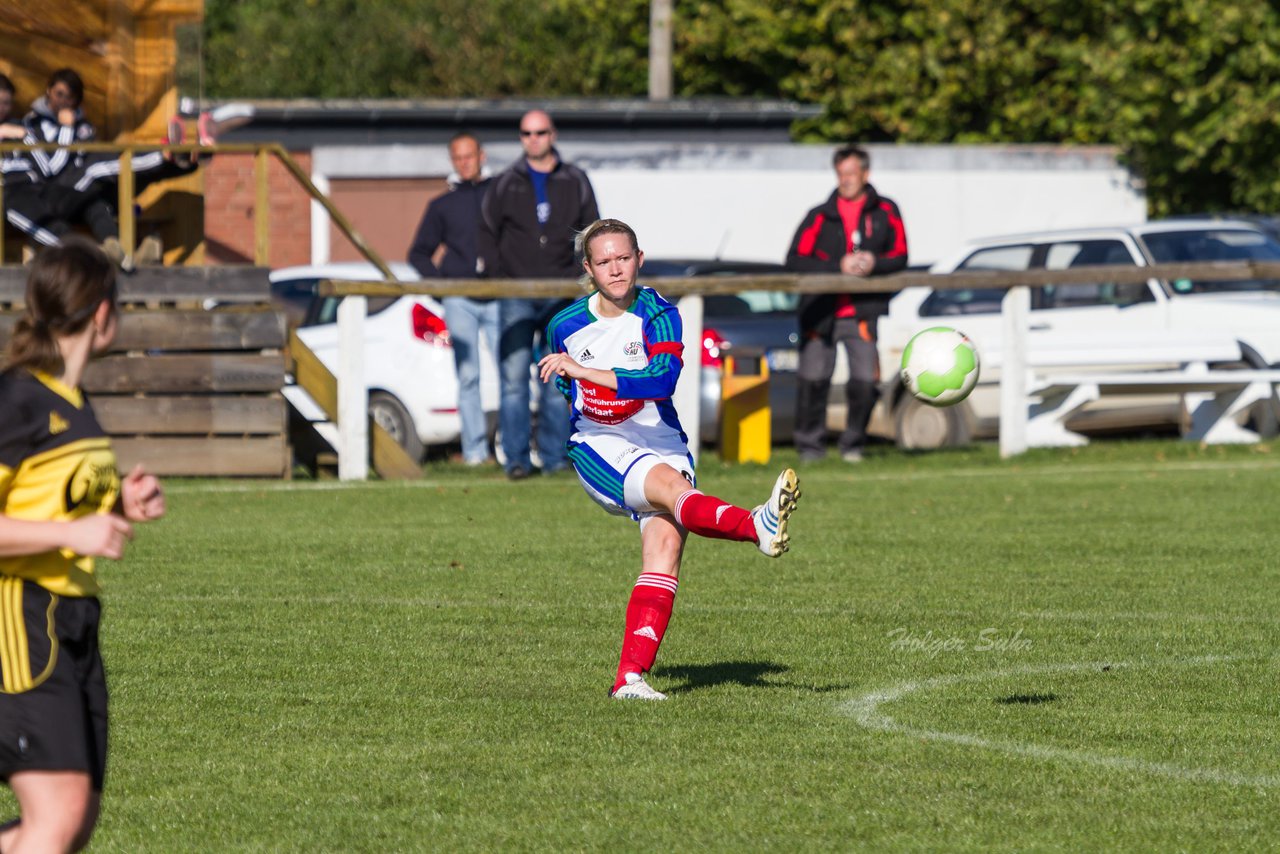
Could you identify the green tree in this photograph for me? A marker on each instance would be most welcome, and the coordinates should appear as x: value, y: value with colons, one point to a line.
x: 423, y: 48
x: 1184, y: 87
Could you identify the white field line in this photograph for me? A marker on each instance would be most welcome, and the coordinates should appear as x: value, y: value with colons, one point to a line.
x: 865, y: 709
x: 217, y: 486
x: 1146, y: 617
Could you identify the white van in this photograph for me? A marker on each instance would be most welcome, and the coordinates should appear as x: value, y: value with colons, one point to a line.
x: 1078, y: 315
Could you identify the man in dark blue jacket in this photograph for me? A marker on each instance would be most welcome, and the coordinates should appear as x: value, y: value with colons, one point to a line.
x: 532, y: 215
x: 452, y: 221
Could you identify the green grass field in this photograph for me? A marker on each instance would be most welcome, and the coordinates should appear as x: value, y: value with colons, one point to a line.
x: 1071, y: 651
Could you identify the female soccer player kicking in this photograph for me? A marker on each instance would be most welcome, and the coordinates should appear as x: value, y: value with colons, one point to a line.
x: 62, y: 503
x: 616, y: 357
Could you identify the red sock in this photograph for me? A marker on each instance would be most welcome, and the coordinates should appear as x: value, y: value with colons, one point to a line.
x: 708, y: 516
x: 647, y: 616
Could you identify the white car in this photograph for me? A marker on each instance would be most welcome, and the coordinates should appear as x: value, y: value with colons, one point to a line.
x: 408, y: 358
x: 1074, y: 315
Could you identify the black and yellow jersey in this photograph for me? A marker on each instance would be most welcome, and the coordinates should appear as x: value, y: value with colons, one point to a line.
x: 55, y: 464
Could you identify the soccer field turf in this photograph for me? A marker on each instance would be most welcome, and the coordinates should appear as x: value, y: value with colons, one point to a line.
x: 1073, y: 650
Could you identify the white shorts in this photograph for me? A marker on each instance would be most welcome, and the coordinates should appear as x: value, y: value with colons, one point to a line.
x: 612, y: 469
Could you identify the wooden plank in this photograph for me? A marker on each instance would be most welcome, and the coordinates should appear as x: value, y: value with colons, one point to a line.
x: 185, y: 414
x: 177, y: 329
x: 254, y: 329
x: 311, y: 374
x: 185, y: 374
x: 1217, y: 271
x: 263, y: 456
x: 237, y: 283
x: 1158, y: 382
x: 389, y: 459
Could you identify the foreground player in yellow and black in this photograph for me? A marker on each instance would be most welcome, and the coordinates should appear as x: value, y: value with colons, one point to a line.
x: 62, y: 504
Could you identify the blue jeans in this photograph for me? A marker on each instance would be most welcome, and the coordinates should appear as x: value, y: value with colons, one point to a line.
x: 467, y: 319
x: 521, y: 320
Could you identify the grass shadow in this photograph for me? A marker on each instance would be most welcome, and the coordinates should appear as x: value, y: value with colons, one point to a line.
x: 747, y: 674
x: 1027, y: 699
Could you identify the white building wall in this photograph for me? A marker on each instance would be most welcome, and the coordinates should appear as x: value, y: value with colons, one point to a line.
x: 744, y: 201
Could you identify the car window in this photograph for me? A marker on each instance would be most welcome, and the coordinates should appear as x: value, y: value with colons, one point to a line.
x: 294, y: 298
x: 294, y: 290
x: 1214, y: 244
x: 763, y: 302
x: 728, y: 305
x: 325, y: 309
x: 978, y: 300
x: 1069, y: 255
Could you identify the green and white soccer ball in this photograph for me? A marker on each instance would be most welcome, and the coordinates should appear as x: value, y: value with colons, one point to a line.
x: 940, y: 366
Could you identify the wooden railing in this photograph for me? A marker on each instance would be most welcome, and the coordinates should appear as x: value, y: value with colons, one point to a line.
x: 1016, y: 309
x: 262, y: 155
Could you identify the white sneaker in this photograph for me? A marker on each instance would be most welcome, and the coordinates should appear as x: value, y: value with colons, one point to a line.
x: 637, y: 689
x: 771, y: 517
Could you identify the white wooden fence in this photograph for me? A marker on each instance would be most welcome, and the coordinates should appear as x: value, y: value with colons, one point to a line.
x: 1016, y: 378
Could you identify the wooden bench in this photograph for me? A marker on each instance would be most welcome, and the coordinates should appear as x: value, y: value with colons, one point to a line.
x: 1214, y: 399
x: 1065, y: 376
x: 186, y: 390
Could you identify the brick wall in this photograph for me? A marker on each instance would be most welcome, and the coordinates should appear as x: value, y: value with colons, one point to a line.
x: 230, y: 192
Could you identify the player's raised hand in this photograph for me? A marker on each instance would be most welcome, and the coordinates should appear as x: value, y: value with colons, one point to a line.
x: 141, y: 497
x: 558, y: 364
x: 99, y: 535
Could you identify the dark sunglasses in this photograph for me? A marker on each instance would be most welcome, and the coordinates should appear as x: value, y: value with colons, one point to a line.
x: 543, y: 132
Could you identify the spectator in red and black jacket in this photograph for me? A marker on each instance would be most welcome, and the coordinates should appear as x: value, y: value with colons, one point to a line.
x: 856, y: 232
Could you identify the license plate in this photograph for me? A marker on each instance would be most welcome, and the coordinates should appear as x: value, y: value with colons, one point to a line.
x: 783, y: 360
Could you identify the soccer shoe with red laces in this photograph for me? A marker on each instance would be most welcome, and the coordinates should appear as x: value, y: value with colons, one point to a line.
x: 637, y: 689
x: 771, y: 518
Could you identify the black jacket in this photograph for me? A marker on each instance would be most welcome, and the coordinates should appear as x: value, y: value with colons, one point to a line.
x: 513, y: 244
x: 42, y: 126
x: 451, y: 220
x: 819, y: 244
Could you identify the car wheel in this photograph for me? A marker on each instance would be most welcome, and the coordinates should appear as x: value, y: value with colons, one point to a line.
x: 390, y: 414
x: 921, y: 427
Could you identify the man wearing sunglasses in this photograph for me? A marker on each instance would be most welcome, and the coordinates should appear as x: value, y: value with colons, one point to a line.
x: 529, y: 219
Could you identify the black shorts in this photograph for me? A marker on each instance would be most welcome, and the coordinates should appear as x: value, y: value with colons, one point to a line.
x: 53, y: 692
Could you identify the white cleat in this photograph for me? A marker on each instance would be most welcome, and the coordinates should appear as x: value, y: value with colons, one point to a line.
x: 771, y: 517
x: 637, y: 689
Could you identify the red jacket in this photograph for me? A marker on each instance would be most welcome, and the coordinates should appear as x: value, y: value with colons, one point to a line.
x: 820, y: 243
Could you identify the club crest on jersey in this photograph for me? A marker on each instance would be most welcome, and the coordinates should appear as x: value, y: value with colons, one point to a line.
x: 57, y: 424
x: 631, y: 349
x: 95, y: 482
